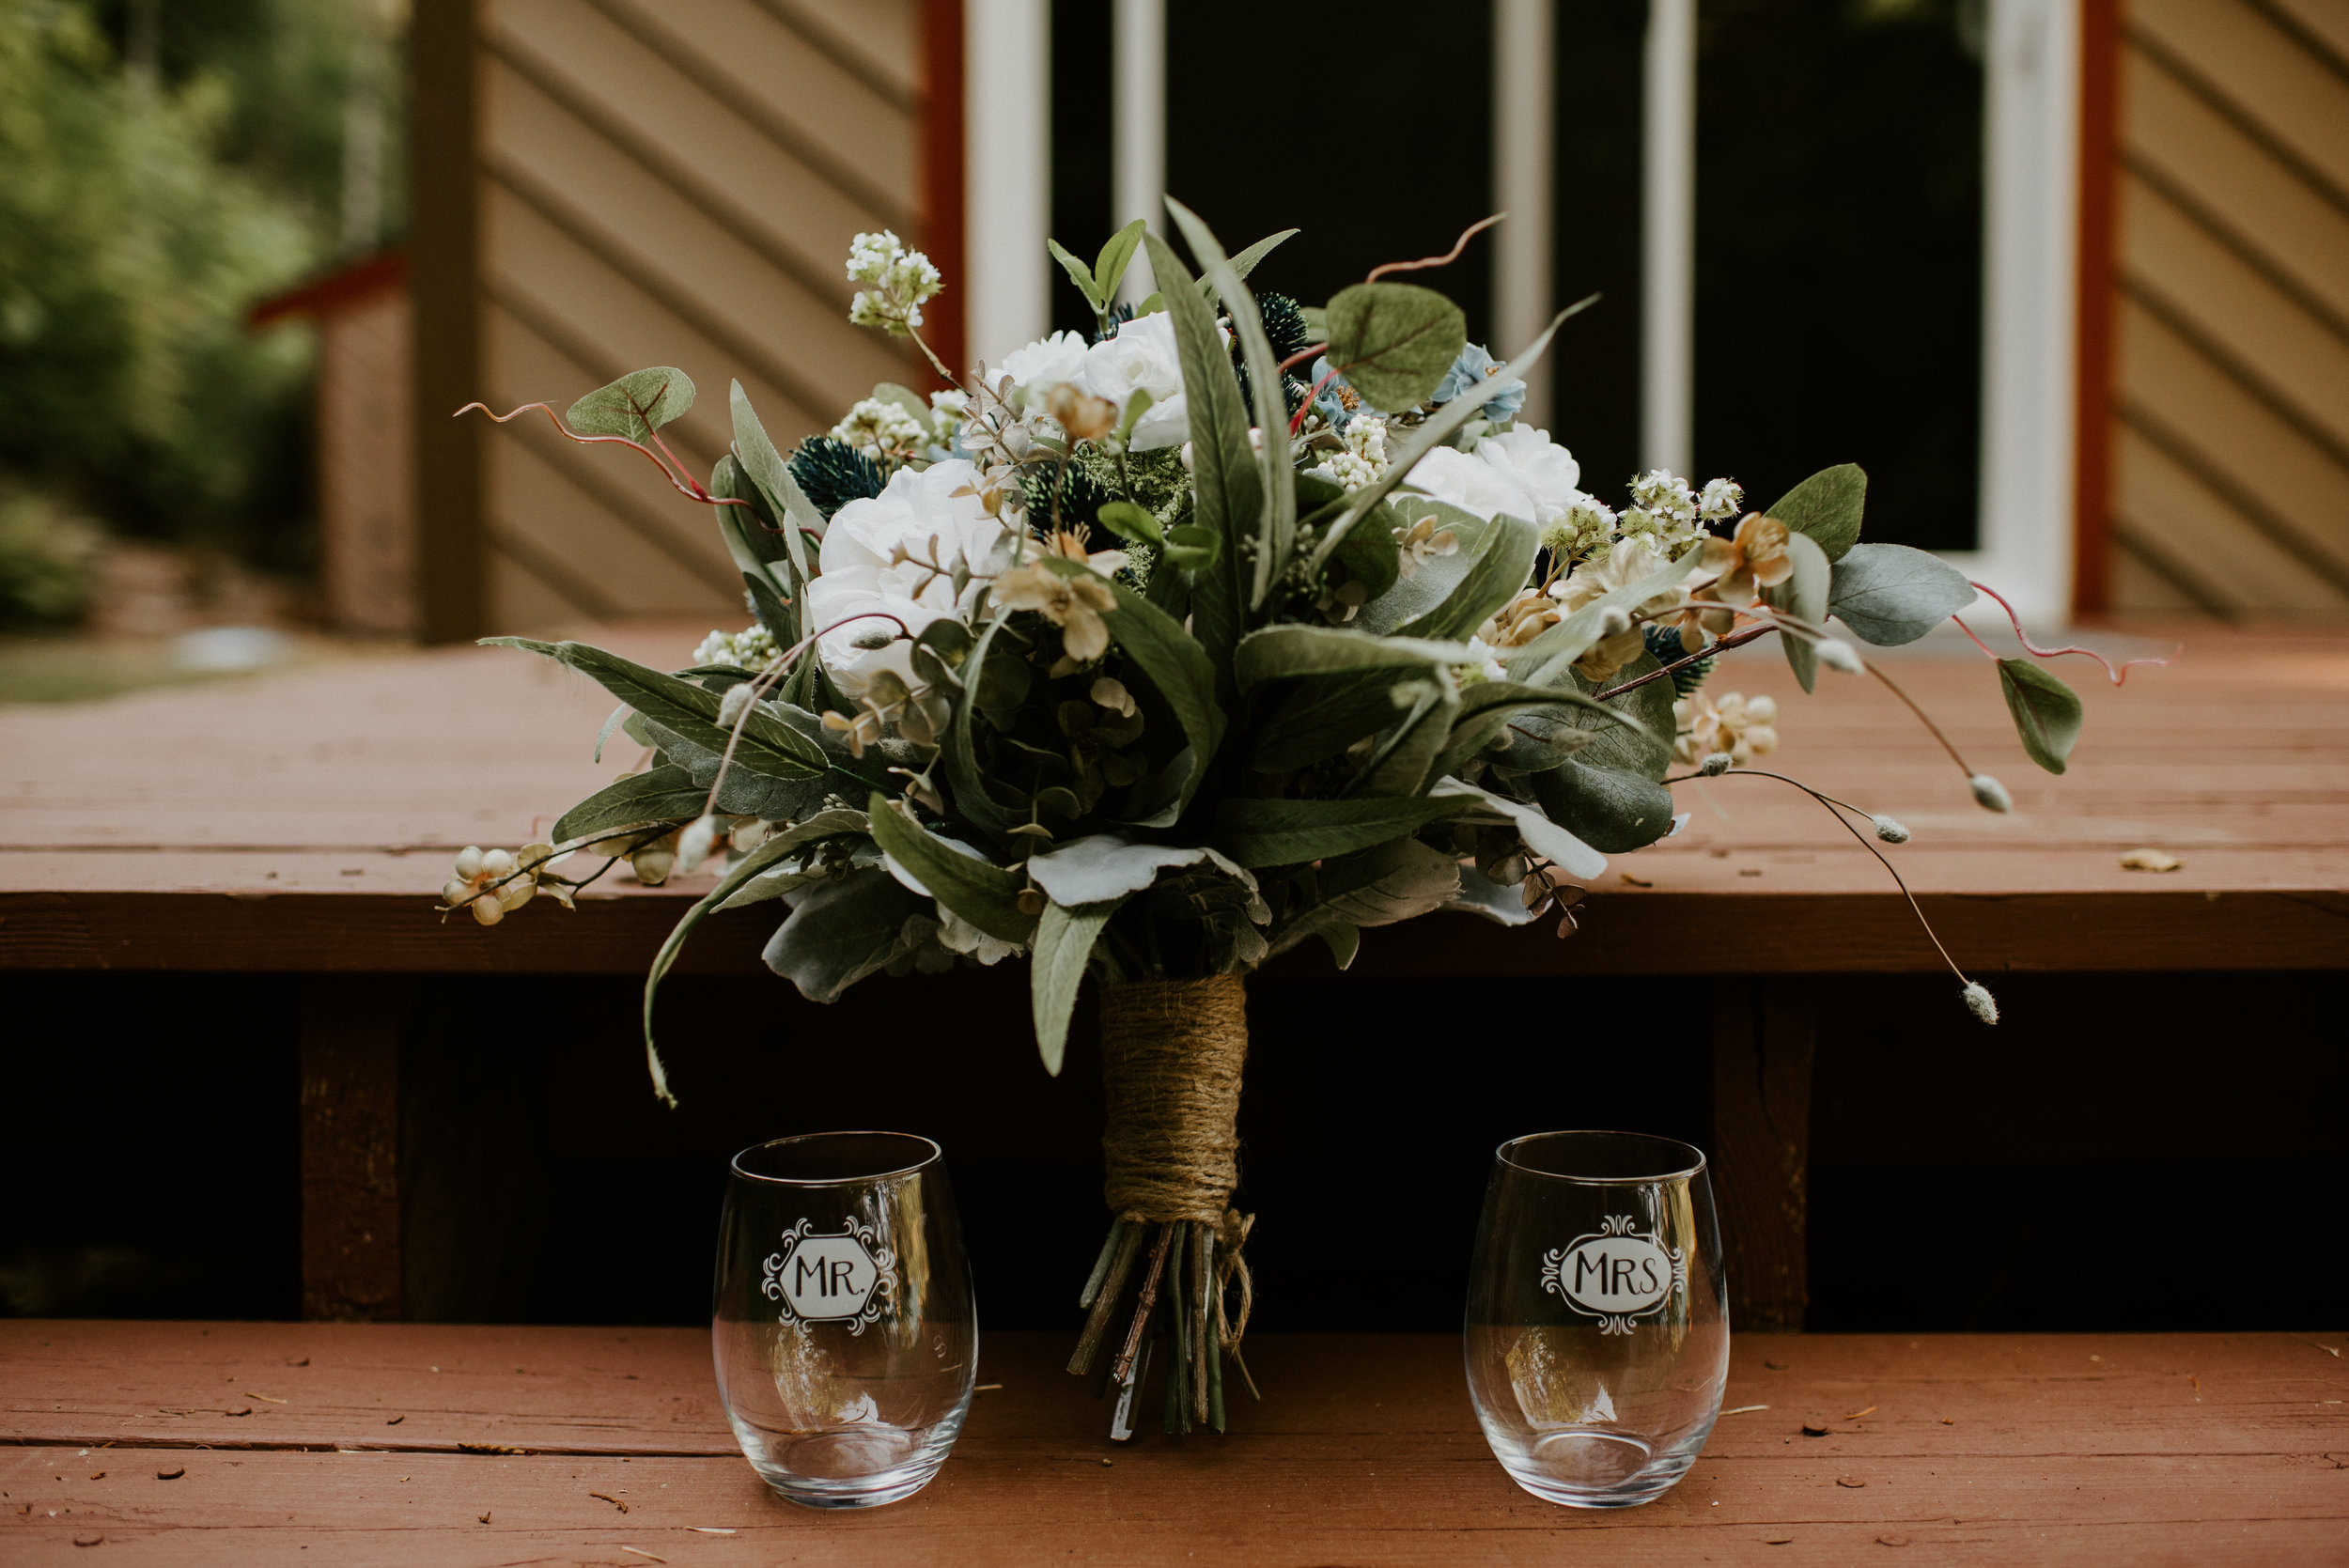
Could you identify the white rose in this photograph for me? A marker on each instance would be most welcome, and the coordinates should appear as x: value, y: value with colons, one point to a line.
x: 858, y: 576
x: 1045, y: 362
x: 1522, y: 472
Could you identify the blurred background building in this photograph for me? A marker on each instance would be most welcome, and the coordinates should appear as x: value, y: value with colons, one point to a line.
x: 2069, y: 277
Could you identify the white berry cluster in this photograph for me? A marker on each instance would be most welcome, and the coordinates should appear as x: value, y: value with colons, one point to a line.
x: 752, y: 648
x: 493, y: 883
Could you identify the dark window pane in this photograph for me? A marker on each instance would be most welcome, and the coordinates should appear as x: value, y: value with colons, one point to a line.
x: 1839, y: 253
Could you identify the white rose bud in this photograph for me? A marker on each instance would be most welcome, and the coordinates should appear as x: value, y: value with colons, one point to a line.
x: 469, y: 861
x: 456, y: 891
x: 1890, y: 831
x: 1984, y: 1004
x: 1989, y: 794
x: 1841, y: 656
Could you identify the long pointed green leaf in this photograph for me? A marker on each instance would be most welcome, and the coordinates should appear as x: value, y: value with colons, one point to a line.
x: 987, y: 895
x: 1079, y: 274
x: 963, y: 777
x: 666, y: 793
x: 1289, y: 651
x: 738, y: 872
x: 1438, y: 431
x: 1501, y: 569
x: 1276, y: 528
x: 767, y: 746
x: 1226, y: 484
x: 1063, y: 946
x: 1290, y: 832
x: 772, y: 476
x: 1117, y: 253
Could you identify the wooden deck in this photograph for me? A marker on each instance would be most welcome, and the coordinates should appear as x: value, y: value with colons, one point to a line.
x: 298, y: 822
x: 237, y: 1444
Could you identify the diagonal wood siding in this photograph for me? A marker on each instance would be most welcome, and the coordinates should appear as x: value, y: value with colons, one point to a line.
x: 671, y: 183
x: 2231, y: 397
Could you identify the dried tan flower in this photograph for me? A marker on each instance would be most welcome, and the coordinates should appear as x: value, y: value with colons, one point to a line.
x: 1073, y: 603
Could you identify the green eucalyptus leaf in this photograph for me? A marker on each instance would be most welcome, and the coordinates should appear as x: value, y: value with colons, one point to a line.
x: 1503, y: 562
x: 1804, y: 596
x: 1393, y: 341
x: 2047, y: 713
x: 634, y: 405
x: 1290, y: 832
x: 841, y: 931
x: 768, y: 605
x: 985, y: 895
x: 1409, y: 597
x: 1610, y: 809
x: 1826, y: 508
x: 972, y: 800
x: 1889, y: 594
x: 1303, y: 720
x: 1193, y: 548
x: 1399, y: 764
x: 1117, y: 253
x: 1127, y: 520
x: 666, y: 793
x: 1063, y: 946
x: 1437, y: 430
x: 1487, y: 707
x: 752, y: 546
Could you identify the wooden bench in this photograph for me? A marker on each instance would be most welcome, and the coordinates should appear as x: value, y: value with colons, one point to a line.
x: 302, y: 823
x: 233, y: 1444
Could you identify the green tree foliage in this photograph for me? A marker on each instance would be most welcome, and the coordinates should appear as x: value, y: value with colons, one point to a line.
x: 143, y: 210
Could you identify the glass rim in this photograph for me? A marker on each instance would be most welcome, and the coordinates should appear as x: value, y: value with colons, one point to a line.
x: 934, y: 1155
x: 1694, y: 1167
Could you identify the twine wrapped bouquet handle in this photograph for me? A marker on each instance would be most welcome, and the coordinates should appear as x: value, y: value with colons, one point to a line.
x: 1172, y: 1056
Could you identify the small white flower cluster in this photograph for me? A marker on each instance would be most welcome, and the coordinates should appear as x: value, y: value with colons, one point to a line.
x: 752, y: 648
x: 1364, y: 459
x: 948, y: 410
x: 882, y: 428
x: 1585, y: 529
x: 901, y: 279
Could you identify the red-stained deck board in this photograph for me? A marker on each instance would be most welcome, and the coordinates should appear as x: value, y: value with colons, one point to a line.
x: 304, y: 822
x: 2088, y: 1449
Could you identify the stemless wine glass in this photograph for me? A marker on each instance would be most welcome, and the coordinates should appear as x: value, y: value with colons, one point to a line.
x: 846, y: 1334
x: 1598, y: 1322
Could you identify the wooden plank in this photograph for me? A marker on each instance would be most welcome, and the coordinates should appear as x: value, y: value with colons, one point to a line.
x: 1764, y: 1038
x: 350, y: 1176
x: 305, y: 821
x: 2154, y: 1448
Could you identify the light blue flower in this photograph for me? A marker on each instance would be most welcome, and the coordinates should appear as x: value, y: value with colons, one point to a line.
x: 1475, y: 365
x: 1327, y: 403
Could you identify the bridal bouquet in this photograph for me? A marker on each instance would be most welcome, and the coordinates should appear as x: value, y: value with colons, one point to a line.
x: 1151, y: 653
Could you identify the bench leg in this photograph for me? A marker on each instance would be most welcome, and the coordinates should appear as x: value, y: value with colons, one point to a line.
x: 350, y: 1200
x: 1765, y: 1031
